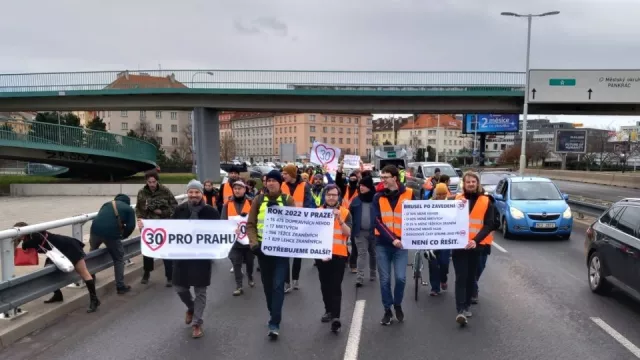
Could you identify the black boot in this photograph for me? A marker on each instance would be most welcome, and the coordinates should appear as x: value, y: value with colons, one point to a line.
x: 94, y: 302
x: 145, y: 278
x: 57, y: 297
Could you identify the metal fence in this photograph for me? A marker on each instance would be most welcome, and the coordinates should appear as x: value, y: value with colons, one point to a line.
x: 18, y: 291
x: 23, y: 132
x: 252, y: 79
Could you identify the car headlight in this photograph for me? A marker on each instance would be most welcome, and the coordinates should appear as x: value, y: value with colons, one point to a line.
x: 567, y: 213
x: 516, y: 214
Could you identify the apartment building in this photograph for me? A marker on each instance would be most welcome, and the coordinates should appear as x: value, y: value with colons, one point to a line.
x: 441, y: 131
x: 386, y: 129
x: 352, y: 133
x: 170, y: 127
x: 225, y: 123
x: 252, y: 135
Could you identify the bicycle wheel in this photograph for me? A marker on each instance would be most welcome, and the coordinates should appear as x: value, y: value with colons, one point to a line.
x: 417, y: 274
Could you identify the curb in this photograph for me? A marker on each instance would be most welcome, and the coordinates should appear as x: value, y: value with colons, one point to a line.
x: 71, y: 304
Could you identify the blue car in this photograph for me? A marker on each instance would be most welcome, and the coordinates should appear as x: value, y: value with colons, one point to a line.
x: 532, y: 206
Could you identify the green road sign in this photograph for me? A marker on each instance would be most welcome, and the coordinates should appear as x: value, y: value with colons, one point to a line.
x: 391, y: 154
x: 562, y: 82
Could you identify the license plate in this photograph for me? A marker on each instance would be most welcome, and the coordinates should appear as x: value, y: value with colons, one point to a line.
x: 545, y: 225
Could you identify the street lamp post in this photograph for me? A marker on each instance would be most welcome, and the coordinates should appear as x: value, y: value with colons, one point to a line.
x: 525, y: 108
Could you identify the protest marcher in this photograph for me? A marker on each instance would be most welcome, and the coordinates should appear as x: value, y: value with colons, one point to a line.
x: 362, y: 230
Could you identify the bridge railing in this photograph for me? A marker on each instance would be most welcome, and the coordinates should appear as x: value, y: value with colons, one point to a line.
x: 249, y: 79
x: 17, y: 291
x: 77, y: 137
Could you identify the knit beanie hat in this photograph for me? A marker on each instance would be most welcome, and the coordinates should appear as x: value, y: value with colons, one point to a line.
x: 275, y: 175
x: 441, y: 189
x: 368, y: 182
x: 291, y: 169
x: 195, y: 185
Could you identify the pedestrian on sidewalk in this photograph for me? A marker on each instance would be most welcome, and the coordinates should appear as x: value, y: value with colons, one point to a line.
x: 239, y: 205
x: 362, y: 230
x: 193, y: 273
x: 331, y: 270
x: 114, y: 222
x: 155, y: 201
x: 70, y: 247
x: 274, y: 269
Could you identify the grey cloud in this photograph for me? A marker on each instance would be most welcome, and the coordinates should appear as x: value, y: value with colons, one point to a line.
x: 265, y: 25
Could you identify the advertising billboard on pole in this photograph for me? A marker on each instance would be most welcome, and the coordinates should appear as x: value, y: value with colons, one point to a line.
x: 571, y: 141
x: 490, y: 123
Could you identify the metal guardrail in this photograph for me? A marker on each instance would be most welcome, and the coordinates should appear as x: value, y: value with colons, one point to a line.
x: 252, y: 79
x: 20, y: 290
x: 583, y: 208
x: 25, y: 132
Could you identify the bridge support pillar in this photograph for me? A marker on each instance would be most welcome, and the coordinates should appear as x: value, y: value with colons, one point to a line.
x: 206, y: 132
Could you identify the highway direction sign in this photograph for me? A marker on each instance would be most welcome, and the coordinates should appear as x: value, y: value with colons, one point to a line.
x: 584, y: 86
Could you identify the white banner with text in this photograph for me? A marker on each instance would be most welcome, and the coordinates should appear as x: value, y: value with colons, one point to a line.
x: 435, y: 224
x: 188, y: 239
x: 298, y: 233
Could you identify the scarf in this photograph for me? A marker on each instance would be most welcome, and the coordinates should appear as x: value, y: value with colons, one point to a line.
x: 367, y: 197
x: 195, y: 209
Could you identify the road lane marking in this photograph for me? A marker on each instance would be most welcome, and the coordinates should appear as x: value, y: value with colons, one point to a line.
x: 497, y: 246
x: 353, y: 341
x: 617, y: 336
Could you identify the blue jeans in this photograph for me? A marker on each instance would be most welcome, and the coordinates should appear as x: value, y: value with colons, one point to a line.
x: 439, y: 269
x: 482, y: 263
x: 273, y: 272
x: 387, y: 257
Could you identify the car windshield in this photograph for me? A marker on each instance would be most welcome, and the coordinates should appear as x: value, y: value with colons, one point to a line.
x: 534, y: 190
x: 444, y: 170
x: 490, y: 179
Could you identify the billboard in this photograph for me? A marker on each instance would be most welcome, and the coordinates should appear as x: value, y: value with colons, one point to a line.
x: 571, y: 141
x: 491, y: 123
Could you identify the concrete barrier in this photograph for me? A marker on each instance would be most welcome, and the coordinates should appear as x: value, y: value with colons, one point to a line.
x: 84, y: 189
x: 631, y: 180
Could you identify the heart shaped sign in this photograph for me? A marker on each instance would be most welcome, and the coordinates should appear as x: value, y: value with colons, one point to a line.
x: 154, y: 238
x: 325, y: 154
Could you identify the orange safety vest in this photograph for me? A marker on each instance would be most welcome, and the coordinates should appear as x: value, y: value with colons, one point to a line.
x: 346, y: 200
x: 428, y: 185
x: 339, y: 239
x: 227, y: 192
x: 476, y: 218
x: 231, y: 208
x: 392, y: 218
x: 298, y: 194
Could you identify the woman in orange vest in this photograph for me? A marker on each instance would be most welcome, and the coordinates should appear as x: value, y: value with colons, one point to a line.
x: 239, y: 205
x: 331, y: 270
x: 481, y: 226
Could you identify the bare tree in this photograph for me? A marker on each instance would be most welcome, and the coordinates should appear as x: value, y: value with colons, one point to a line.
x: 145, y: 130
x: 186, y: 144
x: 227, y: 148
x: 599, y: 148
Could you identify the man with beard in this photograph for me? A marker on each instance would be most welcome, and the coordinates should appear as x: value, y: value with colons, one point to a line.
x: 196, y: 273
x: 210, y: 193
x: 155, y: 201
x: 362, y: 231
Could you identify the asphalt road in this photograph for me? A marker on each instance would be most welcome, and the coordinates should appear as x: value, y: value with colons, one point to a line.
x: 534, y: 304
x: 593, y: 191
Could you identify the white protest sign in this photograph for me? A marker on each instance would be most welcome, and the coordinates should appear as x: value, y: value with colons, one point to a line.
x: 351, y: 161
x: 187, y: 239
x: 325, y: 155
x: 242, y: 226
x: 435, y: 225
x: 300, y: 233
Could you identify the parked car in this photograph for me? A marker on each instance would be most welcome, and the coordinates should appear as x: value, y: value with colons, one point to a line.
x: 257, y: 172
x: 612, y: 248
x: 532, y: 206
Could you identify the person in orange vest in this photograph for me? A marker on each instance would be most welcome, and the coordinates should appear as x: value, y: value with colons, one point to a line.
x: 349, y: 190
x: 331, y: 270
x: 481, y: 227
x: 239, y: 205
x: 225, y: 189
x: 430, y: 183
x: 387, y: 222
x: 301, y: 193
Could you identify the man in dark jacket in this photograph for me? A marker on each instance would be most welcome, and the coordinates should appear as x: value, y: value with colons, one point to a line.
x: 362, y: 230
x: 155, y: 201
x: 196, y: 273
x: 115, y: 222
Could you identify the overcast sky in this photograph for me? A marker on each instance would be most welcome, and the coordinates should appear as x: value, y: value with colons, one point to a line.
x: 419, y: 35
